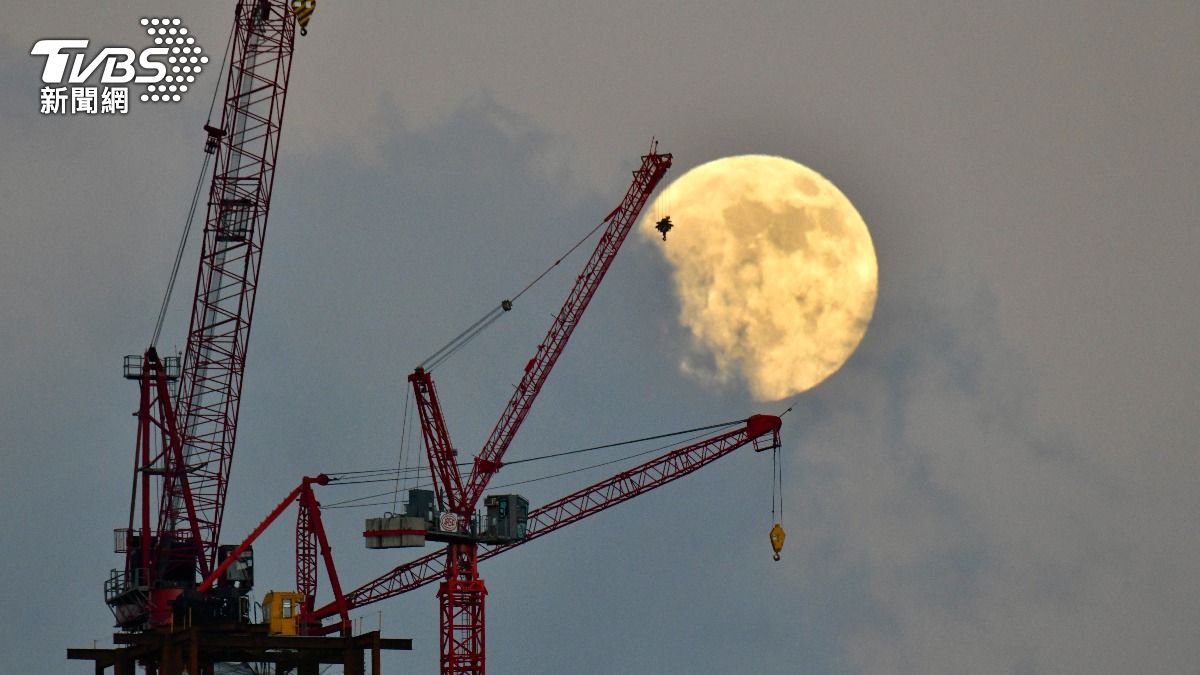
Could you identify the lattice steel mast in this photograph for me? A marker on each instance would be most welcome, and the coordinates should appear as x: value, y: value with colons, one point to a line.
x: 210, y: 384
x: 198, y: 426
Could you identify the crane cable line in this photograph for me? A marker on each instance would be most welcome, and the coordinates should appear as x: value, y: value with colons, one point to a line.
x: 611, y: 445
x: 187, y: 228
x: 191, y: 215
x: 400, y: 461
x: 776, y: 484
x: 372, y: 475
x: 462, y: 339
x: 352, y: 502
x: 613, y: 461
x: 777, y: 472
x: 216, y: 87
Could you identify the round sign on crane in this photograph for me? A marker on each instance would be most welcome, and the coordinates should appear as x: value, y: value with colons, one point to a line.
x: 448, y: 522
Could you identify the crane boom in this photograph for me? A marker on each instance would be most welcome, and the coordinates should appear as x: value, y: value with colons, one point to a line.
x: 210, y: 385
x: 761, y: 430
x: 462, y: 594
x: 168, y: 552
x: 620, y: 220
x: 447, y: 481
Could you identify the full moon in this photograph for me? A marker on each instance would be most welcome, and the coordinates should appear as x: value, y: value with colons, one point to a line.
x: 774, y: 269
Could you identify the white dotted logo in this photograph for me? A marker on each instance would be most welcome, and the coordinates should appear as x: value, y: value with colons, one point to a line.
x: 185, y: 59
x: 76, y: 82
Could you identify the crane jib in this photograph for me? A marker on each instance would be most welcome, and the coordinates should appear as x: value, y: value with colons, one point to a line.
x: 759, y: 430
x: 645, y: 179
x: 209, y: 391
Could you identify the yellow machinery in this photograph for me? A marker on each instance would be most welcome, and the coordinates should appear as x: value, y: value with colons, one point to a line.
x: 280, y: 609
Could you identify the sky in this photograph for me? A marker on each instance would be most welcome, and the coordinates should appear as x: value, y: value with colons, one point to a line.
x: 1002, y: 479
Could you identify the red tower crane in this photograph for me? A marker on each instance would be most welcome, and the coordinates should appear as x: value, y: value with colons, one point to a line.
x: 460, y: 638
x: 462, y: 592
x: 196, y: 427
x: 174, y: 564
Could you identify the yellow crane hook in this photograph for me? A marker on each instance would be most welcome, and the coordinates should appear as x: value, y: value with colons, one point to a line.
x: 303, y: 9
x: 777, y: 537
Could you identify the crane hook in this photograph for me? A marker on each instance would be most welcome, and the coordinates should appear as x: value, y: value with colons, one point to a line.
x: 777, y: 537
x: 303, y: 9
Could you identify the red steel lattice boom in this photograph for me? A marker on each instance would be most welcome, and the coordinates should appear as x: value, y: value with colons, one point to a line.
x: 169, y: 550
x: 231, y: 253
x: 760, y: 430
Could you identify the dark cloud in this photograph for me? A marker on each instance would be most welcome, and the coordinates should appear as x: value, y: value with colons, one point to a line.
x: 983, y: 540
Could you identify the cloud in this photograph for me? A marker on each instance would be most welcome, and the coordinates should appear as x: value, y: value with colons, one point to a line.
x: 985, y: 542
x: 369, y: 268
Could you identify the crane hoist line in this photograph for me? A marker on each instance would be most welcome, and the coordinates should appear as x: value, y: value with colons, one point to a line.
x: 387, y: 475
x: 446, y: 514
x: 346, y: 479
x: 459, y: 341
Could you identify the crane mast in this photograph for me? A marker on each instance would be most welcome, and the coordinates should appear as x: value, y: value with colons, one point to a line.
x: 197, y: 425
x: 447, y: 480
x: 239, y: 201
x: 462, y: 592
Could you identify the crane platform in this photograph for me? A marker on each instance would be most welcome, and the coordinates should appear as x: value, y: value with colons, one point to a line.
x: 198, y: 649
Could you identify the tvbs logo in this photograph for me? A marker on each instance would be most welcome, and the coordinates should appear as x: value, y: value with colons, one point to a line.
x: 168, y: 68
